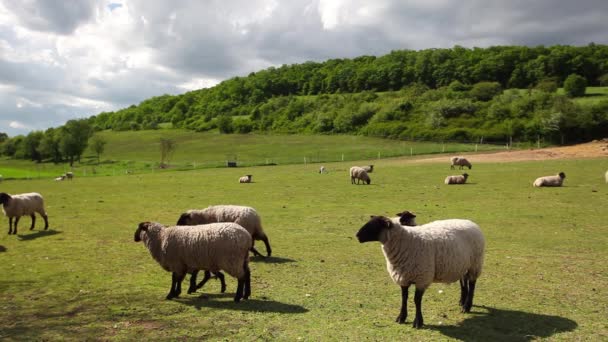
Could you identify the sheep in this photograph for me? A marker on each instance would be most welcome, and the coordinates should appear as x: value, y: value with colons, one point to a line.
x: 211, y: 247
x: 59, y: 179
x: 15, y: 206
x: 245, y: 216
x: 605, y: 176
x: 458, y: 179
x: 461, y: 162
x: 441, y: 251
x: 69, y: 175
x: 359, y: 174
x: 245, y: 179
x: 368, y: 168
x: 405, y: 218
x: 322, y: 170
x: 556, y: 180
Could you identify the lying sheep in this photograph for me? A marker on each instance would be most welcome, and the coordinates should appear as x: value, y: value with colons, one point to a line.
x: 359, y: 174
x: 245, y: 179
x: 15, y: 206
x: 556, y: 180
x: 60, y: 178
x: 458, y: 179
x: 441, y: 251
x: 211, y: 247
x: 245, y: 216
x: 405, y: 218
x: 461, y: 162
x: 368, y: 168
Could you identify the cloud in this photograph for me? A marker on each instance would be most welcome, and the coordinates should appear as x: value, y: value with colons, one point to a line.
x: 61, y: 60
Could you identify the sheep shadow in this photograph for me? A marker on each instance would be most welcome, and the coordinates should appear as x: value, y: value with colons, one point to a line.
x: 38, y: 234
x: 2, y: 249
x: 250, y: 305
x: 271, y: 260
x: 506, y: 325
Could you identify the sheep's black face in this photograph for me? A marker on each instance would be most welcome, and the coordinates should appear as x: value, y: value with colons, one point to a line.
x: 183, y: 219
x: 562, y: 175
x: 368, y: 181
x: 372, y: 229
x: 4, y: 198
x: 405, y: 217
x: 142, y: 226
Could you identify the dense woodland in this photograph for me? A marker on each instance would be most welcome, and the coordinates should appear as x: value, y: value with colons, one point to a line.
x: 497, y: 94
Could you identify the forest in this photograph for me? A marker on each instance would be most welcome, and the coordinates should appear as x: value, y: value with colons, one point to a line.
x: 497, y: 94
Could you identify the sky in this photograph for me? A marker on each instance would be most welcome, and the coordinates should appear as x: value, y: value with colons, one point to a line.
x: 61, y: 60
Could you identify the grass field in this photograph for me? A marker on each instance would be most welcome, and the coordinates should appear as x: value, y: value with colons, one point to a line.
x: 592, y: 96
x: 545, y: 274
x: 139, y: 152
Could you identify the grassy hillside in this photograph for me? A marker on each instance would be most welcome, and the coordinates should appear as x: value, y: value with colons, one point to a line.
x: 139, y: 151
x: 545, y: 273
x: 593, y: 95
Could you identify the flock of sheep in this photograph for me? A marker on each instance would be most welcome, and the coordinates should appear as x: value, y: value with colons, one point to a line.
x: 219, y: 238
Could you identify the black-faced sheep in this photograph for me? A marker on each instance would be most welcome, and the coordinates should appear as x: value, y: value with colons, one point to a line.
x: 368, y: 168
x: 245, y: 179
x: 357, y: 173
x: 441, y: 251
x: 406, y: 218
x: 556, y: 180
x: 458, y: 179
x: 461, y: 162
x: 15, y: 206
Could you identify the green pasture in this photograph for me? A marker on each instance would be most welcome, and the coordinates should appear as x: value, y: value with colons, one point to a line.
x: 545, y: 274
x: 139, y: 152
x: 593, y: 95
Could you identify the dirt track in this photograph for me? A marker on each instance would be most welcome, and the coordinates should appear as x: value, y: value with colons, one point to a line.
x: 595, y: 149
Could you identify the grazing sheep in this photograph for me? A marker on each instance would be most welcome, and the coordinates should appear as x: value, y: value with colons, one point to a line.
x: 211, y: 247
x: 461, y: 162
x: 368, y: 168
x: 60, y: 178
x: 69, y: 175
x: 245, y: 179
x: 441, y: 251
x: 556, y: 180
x: 459, y: 179
x: 359, y: 174
x: 15, y: 206
x: 245, y: 216
x: 406, y: 218
x: 322, y: 169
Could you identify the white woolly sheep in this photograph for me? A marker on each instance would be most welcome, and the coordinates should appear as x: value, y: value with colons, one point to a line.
x: 245, y: 179
x: 69, y: 175
x: 556, y: 180
x: 59, y: 179
x: 368, y: 168
x: 438, y: 252
x: 461, y: 162
x: 15, y: 206
x: 322, y: 169
x: 405, y: 218
x: 605, y: 176
x: 359, y: 174
x: 211, y: 247
x: 458, y: 179
x: 247, y: 217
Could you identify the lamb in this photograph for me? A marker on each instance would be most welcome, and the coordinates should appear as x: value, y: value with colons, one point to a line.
x: 557, y: 180
x: 60, y: 178
x: 461, y: 162
x: 69, y: 175
x: 368, y: 168
x: 359, y: 174
x: 405, y: 218
x: 15, y: 206
x: 245, y: 216
x: 458, y: 179
x: 322, y: 170
x: 211, y: 247
x: 245, y: 179
x: 441, y: 251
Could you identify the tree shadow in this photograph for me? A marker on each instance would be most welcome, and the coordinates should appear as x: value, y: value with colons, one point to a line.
x: 38, y: 234
x: 2, y: 249
x: 250, y: 305
x: 506, y: 325
x: 271, y: 260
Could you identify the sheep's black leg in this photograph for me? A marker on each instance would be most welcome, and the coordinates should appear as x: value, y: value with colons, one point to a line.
x: 268, y: 249
x: 15, y: 226
x: 171, y: 294
x: 33, y: 221
x: 178, y: 286
x: 403, y: 313
x: 247, y: 287
x: 10, y: 225
x: 205, y: 279
x: 469, y: 303
x: 255, y: 252
x: 192, y: 287
x: 46, y: 221
x: 463, y: 291
x: 418, y: 321
x: 239, y: 290
x: 220, y: 276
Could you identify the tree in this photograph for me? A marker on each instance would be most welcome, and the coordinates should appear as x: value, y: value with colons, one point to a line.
x: 224, y: 124
x: 575, y: 85
x: 50, y: 145
x: 74, y: 139
x: 167, y: 147
x: 98, y: 144
x: 485, y: 91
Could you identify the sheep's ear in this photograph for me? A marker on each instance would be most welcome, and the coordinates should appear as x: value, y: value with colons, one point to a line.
x: 144, y: 226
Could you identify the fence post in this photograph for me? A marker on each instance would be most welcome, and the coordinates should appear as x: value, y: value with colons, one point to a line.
x: 411, y: 151
x: 304, y: 160
x: 475, y: 147
x: 342, y: 156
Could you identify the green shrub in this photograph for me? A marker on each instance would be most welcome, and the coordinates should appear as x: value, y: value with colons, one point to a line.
x: 575, y: 85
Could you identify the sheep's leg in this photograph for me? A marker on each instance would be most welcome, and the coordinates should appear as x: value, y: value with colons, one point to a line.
x: 469, y: 303
x: 255, y: 252
x: 204, y: 281
x: 418, y: 321
x: 239, y: 290
x: 463, y: 291
x: 10, y: 225
x: 403, y: 313
x: 268, y: 249
x: 220, y: 276
x: 171, y: 294
x: 33, y: 216
x: 15, y: 226
x: 46, y: 221
x: 176, y: 285
x: 192, y: 287
x: 247, y: 287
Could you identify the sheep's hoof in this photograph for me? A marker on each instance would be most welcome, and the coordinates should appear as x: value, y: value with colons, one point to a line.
x: 237, y: 299
x: 223, y: 288
x: 31, y: 228
x: 418, y: 323
x: 191, y: 290
x: 400, y: 319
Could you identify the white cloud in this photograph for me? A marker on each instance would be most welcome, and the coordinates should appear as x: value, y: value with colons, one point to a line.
x: 17, y: 125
